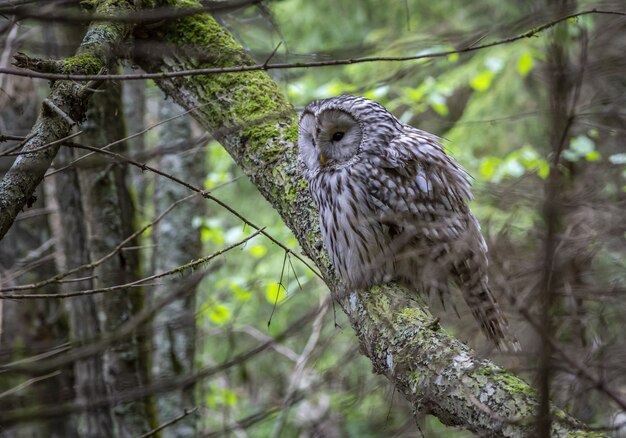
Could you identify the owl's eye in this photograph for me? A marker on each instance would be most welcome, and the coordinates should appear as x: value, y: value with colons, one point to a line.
x: 337, y: 136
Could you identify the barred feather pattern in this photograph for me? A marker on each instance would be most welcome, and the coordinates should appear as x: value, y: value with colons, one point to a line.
x: 394, y: 206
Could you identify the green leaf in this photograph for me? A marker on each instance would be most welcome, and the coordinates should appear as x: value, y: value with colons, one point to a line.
x: 488, y: 167
x: 543, y: 169
x: 219, y: 314
x: 482, y: 81
x: 440, y: 108
x: 513, y: 168
x: 240, y: 293
x: 438, y: 103
x: 581, y: 146
x: 217, y: 397
x: 215, y: 178
x: 275, y: 293
x: 213, y: 235
x: 525, y: 64
x: 258, y: 251
x: 453, y: 57
x: 229, y: 397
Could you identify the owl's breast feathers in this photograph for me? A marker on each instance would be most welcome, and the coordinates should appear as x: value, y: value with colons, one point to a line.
x: 357, y: 242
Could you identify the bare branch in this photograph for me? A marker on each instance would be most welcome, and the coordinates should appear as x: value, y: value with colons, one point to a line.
x: 68, y: 101
x: 146, y: 16
x: 282, y: 66
x: 136, y: 283
x: 167, y: 424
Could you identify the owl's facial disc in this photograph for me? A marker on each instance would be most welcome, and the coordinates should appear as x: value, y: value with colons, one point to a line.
x: 338, y: 136
x: 308, y: 154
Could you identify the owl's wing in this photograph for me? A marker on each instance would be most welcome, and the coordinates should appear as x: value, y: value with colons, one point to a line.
x: 421, y: 195
x: 420, y: 188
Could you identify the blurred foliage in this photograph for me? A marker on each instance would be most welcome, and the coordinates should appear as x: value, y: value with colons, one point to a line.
x: 489, y: 107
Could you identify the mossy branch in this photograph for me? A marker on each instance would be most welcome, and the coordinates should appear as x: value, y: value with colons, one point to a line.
x: 248, y: 114
x: 64, y: 107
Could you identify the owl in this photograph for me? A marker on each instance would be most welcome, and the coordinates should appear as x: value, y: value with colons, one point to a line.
x: 393, y: 206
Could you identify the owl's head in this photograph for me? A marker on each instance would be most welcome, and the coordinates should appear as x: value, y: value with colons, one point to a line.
x: 334, y: 131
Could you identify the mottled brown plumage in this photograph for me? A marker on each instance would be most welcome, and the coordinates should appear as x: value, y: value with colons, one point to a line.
x: 394, y: 206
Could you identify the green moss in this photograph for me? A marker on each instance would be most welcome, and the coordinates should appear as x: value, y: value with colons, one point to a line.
x: 292, y: 133
x: 260, y: 134
x: 379, y: 304
x: 94, y: 50
x: 82, y: 63
x: 511, y: 382
x: 88, y: 4
x: 586, y: 434
x: 413, y: 313
x: 201, y: 30
x: 251, y: 95
x: 301, y: 185
x: 290, y: 192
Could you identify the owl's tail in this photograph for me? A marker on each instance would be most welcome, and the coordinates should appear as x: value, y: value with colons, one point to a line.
x: 486, y: 310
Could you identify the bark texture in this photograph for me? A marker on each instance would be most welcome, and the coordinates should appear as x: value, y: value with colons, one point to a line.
x: 247, y: 113
x: 174, y: 330
x: 72, y: 250
x: 109, y: 216
x: 65, y: 106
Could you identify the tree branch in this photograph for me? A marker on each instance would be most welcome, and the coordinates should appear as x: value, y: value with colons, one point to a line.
x: 210, y: 69
x: 65, y: 106
x: 247, y: 113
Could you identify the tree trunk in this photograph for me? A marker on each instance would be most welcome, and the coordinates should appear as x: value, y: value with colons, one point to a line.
x: 109, y: 218
x: 175, y: 326
x: 72, y: 251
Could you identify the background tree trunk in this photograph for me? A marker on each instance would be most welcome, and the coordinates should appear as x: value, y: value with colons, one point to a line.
x: 109, y: 218
x: 69, y: 228
x: 175, y: 326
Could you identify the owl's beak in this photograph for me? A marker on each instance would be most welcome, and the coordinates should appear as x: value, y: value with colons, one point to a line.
x: 323, y: 159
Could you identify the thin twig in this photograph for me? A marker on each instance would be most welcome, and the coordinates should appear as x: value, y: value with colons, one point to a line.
x: 119, y: 247
x: 204, y: 193
x: 121, y: 140
x: 12, y: 152
x: 167, y: 424
x: 28, y: 383
x: 280, y: 66
x: 59, y: 112
x: 135, y: 283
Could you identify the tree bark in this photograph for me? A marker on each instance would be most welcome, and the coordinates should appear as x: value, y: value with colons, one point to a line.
x: 175, y: 326
x: 247, y: 113
x: 65, y: 107
x: 71, y: 251
x: 109, y: 214
x: 28, y: 329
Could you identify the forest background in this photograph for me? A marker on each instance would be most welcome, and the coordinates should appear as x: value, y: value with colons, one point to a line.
x: 161, y: 308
